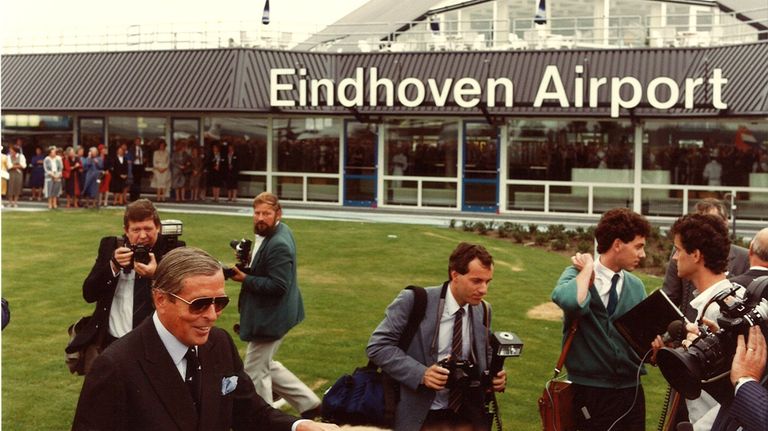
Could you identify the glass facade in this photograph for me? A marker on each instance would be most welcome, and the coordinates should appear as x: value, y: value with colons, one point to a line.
x: 249, y: 135
x: 151, y: 130
x: 36, y: 131
x: 421, y: 148
x: 306, y: 144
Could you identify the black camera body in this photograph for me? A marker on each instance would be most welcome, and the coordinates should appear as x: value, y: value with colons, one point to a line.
x: 140, y: 253
x: 706, y: 363
x: 242, y: 249
x: 463, y: 373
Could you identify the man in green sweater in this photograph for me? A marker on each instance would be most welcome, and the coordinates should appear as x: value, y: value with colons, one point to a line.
x: 600, y: 363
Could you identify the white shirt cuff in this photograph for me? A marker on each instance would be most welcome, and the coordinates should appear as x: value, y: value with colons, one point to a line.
x: 741, y: 381
x: 296, y: 424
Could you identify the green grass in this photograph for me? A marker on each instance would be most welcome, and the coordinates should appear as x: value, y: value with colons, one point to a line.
x: 348, y: 272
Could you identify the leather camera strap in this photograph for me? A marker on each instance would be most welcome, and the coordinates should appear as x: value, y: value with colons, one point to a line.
x: 566, y: 347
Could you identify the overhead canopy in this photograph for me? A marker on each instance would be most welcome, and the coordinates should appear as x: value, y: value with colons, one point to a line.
x: 237, y: 80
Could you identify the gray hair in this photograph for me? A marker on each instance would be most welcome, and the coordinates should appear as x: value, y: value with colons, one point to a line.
x: 180, y: 264
x: 759, y: 245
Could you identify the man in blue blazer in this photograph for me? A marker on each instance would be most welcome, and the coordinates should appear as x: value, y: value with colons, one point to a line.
x: 749, y: 409
x: 453, y: 308
x: 270, y: 305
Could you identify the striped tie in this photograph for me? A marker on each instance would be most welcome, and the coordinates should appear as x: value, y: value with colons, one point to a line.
x: 455, y: 396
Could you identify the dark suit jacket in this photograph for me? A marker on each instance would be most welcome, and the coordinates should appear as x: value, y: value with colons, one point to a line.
x: 134, y: 385
x: 270, y: 302
x: 408, y: 367
x: 682, y: 291
x: 749, y: 410
x: 749, y: 276
x: 100, y: 285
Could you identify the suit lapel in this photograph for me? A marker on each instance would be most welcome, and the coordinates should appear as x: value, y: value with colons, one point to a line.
x: 479, y: 335
x: 427, y: 331
x: 164, y: 378
x: 210, y: 397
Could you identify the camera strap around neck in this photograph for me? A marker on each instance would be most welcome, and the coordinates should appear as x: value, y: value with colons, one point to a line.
x: 566, y: 347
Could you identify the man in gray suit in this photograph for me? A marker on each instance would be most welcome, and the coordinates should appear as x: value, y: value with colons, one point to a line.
x: 444, y: 333
x: 680, y: 291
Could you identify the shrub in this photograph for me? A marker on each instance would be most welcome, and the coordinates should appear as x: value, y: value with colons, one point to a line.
x: 559, y: 244
x: 540, y: 238
x: 467, y: 226
x: 584, y: 246
x: 452, y: 224
x: 481, y: 228
x: 533, y: 228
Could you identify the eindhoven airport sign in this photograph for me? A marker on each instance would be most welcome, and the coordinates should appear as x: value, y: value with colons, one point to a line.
x: 625, y: 92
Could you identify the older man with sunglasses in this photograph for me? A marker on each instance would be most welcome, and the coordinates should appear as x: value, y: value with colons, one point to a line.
x: 176, y: 371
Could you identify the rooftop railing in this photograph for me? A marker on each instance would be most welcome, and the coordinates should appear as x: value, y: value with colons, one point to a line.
x: 712, y: 29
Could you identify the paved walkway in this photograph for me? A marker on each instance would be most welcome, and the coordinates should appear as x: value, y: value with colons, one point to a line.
x: 432, y: 217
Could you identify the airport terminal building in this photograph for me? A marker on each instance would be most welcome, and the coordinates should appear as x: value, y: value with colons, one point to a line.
x: 531, y: 118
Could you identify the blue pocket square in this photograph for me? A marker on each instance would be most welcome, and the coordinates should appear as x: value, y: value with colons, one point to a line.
x: 228, y: 384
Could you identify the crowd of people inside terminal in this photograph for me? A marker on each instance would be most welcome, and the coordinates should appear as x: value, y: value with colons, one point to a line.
x: 87, y: 176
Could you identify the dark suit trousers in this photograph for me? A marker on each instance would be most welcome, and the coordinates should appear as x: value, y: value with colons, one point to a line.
x: 598, y: 408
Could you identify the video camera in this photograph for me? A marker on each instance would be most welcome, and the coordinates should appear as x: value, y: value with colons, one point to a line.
x: 242, y: 249
x: 708, y: 359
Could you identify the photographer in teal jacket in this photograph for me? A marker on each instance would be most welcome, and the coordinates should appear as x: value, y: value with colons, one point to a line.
x: 600, y: 363
x: 270, y: 305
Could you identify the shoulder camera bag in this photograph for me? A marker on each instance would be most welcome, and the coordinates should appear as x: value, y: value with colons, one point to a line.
x: 556, y: 405
x: 369, y: 396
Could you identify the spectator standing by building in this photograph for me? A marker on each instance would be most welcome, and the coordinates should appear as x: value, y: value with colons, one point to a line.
x: 270, y: 305
x: 161, y: 175
x: 92, y: 171
x: 106, y: 178
x: 37, y: 174
x: 197, y: 165
x: 120, y: 170
x: 53, y: 173
x: 179, y: 169
x: 15, y: 164
x: 232, y: 174
x: 600, y: 363
x: 137, y: 168
x: 73, y: 183
x: 216, y: 170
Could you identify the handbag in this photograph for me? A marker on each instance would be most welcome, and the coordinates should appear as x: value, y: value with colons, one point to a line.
x: 556, y: 405
x: 80, y: 360
x: 369, y: 396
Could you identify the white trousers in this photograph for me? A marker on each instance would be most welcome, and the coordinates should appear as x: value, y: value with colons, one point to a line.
x: 271, y: 376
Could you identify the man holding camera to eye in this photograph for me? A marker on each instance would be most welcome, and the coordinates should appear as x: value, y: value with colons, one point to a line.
x: 270, y: 304
x: 601, y: 365
x: 121, y: 279
x: 440, y: 371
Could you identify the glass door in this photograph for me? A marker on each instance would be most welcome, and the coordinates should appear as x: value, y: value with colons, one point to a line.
x: 480, y: 173
x: 360, y: 163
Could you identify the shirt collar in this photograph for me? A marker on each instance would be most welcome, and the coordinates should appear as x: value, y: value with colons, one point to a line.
x: 702, y: 298
x: 451, y: 305
x: 605, y: 272
x: 175, y: 348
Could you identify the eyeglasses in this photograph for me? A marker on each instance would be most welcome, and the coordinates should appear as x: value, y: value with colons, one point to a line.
x: 200, y: 305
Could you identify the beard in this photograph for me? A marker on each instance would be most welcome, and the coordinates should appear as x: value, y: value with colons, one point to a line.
x: 263, y: 229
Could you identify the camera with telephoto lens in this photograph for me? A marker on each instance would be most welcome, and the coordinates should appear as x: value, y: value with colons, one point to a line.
x: 706, y: 363
x: 242, y: 249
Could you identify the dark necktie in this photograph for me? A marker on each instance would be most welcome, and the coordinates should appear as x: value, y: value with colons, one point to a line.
x: 613, y: 297
x: 455, y: 395
x: 193, y: 376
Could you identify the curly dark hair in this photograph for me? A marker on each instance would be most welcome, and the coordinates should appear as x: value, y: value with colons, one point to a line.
x: 464, y: 253
x: 620, y: 223
x: 706, y: 233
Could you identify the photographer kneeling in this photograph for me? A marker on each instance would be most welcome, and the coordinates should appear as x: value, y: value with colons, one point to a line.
x: 120, y: 281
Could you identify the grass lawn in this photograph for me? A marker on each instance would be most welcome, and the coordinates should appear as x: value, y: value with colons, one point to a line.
x: 348, y: 273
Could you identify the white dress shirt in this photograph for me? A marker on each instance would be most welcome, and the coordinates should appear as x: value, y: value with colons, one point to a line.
x: 445, y: 340
x: 121, y: 312
x: 603, y: 276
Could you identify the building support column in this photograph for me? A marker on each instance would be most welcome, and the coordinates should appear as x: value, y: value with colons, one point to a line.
x: 503, y: 166
x: 500, y: 24
x: 638, y: 170
x: 271, y: 156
